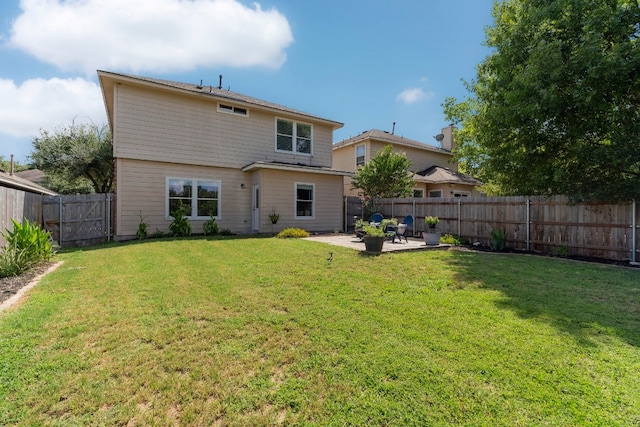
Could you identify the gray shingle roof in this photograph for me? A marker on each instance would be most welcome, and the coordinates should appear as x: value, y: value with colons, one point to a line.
x: 438, y: 174
x: 380, y: 135
x: 219, y: 93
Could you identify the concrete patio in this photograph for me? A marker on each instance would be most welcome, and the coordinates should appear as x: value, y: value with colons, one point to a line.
x: 351, y: 241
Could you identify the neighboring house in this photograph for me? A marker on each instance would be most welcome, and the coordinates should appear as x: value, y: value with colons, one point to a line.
x: 218, y: 153
x: 434, y: 173
x: 12, y: 180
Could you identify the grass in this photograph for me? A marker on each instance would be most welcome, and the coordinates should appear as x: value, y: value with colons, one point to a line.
x: 263, y: 331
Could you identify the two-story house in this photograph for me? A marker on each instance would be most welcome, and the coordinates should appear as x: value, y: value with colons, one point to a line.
x: 434, y: 172
x: 218, y: 153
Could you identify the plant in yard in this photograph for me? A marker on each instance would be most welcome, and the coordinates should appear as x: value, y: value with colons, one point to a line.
x: 142, y: 233
x: 432, y: 221
x: 27, y: 245
x: 450, y: 239
x: 274, y: 217
x: 210, y: 227
x: 498, y: 240
x: 373, y: 231
x: 295, y: 233
x: 180, y: 226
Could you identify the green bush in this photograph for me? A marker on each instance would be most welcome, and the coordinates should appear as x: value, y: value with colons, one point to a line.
x: 27, y: 245
x: 180, y: 226
x: 498, y: 240
x: 210, y: 227
x: 295, y: 233
x: 450, y: 239
x: 142, y: 228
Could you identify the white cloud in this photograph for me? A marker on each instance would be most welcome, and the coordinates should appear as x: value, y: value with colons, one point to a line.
x: 150, y: 35
x: 47, y: 104
x: 413, y: 95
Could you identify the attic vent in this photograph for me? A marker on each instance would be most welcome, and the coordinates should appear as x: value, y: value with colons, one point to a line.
x: 230, y: 109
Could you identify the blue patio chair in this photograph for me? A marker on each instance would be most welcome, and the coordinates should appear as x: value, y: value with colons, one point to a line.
x: 376, y: 217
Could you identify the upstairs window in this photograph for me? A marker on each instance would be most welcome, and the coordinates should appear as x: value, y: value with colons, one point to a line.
x: 360, y: 153
x: 293, y: 137
x: 230, y: 109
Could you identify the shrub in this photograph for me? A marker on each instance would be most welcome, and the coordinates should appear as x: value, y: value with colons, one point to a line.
x: 27, y: 245
x: 210, y: 227
x: 142, y: 228
x: 180, y: 226
x: 498, y: 240
x: 450, y: 239
x: 294, y: 233
x: 226, y: 232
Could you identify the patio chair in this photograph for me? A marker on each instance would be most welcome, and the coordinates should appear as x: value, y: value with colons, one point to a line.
x: 403, y: 229
x: 376, y: 218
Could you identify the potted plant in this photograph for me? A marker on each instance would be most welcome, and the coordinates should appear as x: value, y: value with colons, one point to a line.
x: 373, y: 239
x: 274, y: 217
x: 358, y: 228
x: 431, y: 237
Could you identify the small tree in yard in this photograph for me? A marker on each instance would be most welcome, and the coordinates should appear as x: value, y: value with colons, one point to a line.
x: 386, y: 175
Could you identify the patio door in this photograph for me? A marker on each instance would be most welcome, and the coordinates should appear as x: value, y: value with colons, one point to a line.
x: 255, y: 217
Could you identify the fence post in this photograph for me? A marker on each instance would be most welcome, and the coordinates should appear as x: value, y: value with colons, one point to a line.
x: 528, y: 218
x: 413, y: 223
x: 60, y: 222
x: 459, y: 215
x: 633, y: 233
x: 108, y: 216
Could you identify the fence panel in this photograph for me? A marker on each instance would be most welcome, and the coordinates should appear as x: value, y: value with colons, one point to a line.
x: 543, y: 224
x: 18, y: 205
x: 78, y: 220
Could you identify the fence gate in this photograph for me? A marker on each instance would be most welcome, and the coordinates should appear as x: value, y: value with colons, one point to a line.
x: 78, y: 220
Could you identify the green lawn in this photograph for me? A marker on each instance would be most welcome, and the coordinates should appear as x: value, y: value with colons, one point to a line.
x: 264, y: 331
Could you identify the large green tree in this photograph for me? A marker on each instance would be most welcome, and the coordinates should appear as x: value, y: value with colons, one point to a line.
x: 76, y: 159
x: 555, y: 107
x: 386, y: 175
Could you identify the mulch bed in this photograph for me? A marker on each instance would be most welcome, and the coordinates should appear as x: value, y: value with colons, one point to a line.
x: 9, y: 286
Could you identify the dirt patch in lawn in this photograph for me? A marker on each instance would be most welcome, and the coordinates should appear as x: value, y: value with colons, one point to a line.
x: 9, y: 286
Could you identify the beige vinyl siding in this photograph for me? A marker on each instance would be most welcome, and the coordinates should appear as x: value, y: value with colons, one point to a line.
x: 170, y: 127
x: 420, y: 159
x: 278, y: 194
x: 142, y: 191
x: 344, y: 159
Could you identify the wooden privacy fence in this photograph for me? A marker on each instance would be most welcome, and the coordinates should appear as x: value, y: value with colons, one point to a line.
x: 78, y: 220
x: 542, y: 224
x: 18, y: 205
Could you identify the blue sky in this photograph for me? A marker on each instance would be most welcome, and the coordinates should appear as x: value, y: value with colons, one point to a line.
x: 366, y: 64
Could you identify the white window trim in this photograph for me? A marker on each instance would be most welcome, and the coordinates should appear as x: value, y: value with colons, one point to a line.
x: 461, y: 194
x: 295, y: 132
x: 441, y: 193
x: 194, y: 197
x: 418, y: 189
x: 233, y: 110
x: 295, y: 201
x: 364, y: 156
